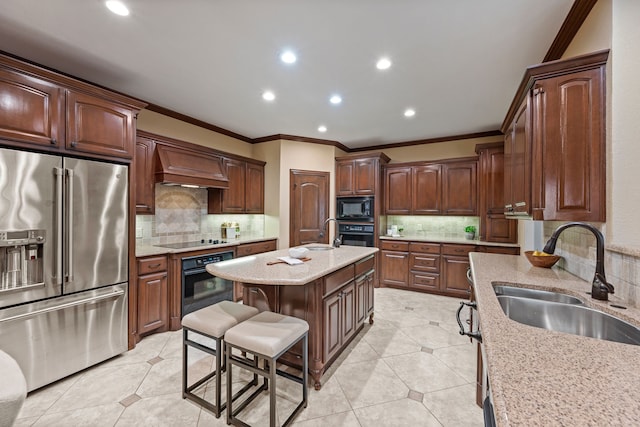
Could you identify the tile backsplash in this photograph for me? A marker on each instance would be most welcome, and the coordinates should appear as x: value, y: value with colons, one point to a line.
x: 181, y: 215
x: 577, y: 246
x: 445, y: 226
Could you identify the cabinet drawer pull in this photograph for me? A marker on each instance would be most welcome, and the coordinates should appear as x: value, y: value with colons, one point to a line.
x: 155, y: 265
x: 520, y: 204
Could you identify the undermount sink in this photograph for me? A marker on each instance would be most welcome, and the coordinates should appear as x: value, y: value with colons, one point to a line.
x: 569, y: 318
x: 319, y: 248
x: 536, y: 294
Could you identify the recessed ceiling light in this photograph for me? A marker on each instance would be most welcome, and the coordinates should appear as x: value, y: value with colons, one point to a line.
x: 288, y: 57
x: 117, y: 7
x: 267, y: 95
x: 335, y: 99
x: 409, y: 112
x: 322, y: 128
x: 383, y: 64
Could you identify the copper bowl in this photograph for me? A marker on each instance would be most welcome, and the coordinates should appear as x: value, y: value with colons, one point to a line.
x: 545, y: 261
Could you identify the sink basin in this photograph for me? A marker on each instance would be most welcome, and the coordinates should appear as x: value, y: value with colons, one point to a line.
x: 569, y: 318
x: 536, y: 294
x: 319, y: 248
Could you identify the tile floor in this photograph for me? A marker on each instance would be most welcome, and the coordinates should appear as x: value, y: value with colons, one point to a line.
x: 411, y: 368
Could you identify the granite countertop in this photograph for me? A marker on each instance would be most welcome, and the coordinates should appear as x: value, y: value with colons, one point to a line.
x: 438, y: 238
x: 540, y: 377
x: 148, y: 250
x: 254, y: 269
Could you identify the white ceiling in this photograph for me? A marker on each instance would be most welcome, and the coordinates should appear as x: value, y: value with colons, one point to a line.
x: 458, y: 63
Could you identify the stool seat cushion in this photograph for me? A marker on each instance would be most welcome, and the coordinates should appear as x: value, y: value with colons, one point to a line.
x: 13, y: 390
x: 216, y: 319
x: 267, y: 333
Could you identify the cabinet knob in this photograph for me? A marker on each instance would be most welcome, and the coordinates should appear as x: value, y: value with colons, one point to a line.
x: 54, y: 141
x: 74, y: 144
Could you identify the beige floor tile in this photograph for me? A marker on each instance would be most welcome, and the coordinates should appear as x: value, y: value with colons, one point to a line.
x: 369, y: 383
x: 39, y: 401
x: 423, y: 372
x: 25, y: 422
x: 343, y: 419
x: 328, y: 401
x: 165, y: 377
x: 434, y: 336
x: 399, y: 413
x: 146, y: 349
x: 403, y: 318
x: 390, y: 342
x: 460, y: 358
x: 95, y: 416
x: 101, y: 386
x: 455, y: 406
x: 165, y: 410
x: 358, y: 351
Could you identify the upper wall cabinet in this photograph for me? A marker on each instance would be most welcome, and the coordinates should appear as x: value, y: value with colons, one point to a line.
x: 555, y: 165
x: 52, y: 112
x: 246, y: 189
x: 145, y: 184
x: 494, y: 226
x: 448, y: 187
x: 358, y: 176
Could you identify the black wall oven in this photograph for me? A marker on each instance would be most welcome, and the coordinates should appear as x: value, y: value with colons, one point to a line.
x: 356, y: 234
x: 199, y: 288
x: 354, y: 209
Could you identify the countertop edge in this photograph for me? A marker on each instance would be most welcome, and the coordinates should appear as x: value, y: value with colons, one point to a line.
x: 454, y: 240
x: 150, y: 250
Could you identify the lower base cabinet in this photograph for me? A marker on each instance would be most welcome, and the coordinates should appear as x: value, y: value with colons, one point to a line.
x: 152, y: 295
x: 431, y: 267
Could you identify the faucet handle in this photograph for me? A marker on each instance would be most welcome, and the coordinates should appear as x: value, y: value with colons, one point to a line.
x: 603, y: 283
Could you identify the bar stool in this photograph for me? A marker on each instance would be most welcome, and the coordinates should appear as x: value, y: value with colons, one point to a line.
x: 266, y: 336
x: 212, y: 322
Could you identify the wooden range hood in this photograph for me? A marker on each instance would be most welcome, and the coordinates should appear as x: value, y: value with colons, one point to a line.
x: 182, y: 166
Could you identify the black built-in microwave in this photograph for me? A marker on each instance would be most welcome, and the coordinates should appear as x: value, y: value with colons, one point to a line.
x: 354, y: 208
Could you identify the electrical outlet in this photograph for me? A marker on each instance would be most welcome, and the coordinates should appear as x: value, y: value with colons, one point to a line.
x: 139, y: 233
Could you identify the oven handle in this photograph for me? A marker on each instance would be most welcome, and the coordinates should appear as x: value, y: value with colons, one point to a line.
x: 475, y: 335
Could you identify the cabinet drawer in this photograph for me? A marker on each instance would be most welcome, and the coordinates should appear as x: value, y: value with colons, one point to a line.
x: 338, y: 279
x: 426, y: 248
x: 365, y: 265
x: 426, y: 281
x: 424, y: 262
x: 151, y: 264
x: 458, y: 249
x: 394, y: 246
x: 255, y: 248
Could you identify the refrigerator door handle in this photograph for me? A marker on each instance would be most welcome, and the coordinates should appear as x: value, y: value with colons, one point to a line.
x: 114, y: 294
x: 69, y: 225
x: 59, y: 175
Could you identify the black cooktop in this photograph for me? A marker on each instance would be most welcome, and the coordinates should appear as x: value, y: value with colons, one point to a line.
x: 183, y: 245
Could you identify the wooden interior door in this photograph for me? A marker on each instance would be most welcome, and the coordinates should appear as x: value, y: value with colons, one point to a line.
x: 309, y: 206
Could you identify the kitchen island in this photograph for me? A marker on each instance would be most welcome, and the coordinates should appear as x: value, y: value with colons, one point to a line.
x: 332, y: 291
x: 542, y: 377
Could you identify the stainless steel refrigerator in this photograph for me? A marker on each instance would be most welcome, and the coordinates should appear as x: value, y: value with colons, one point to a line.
x: 63, y: 262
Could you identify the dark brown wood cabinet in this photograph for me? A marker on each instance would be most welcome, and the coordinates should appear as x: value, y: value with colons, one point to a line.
x: 36, y: 113
x: 455, y: 263
x: 246, y: 189
x: 359, y: 176
x: 494, y: 226
x: 397, y: 190
x: 426, y: 195
x: 460, y: 191
x: 364, y: 285
x: 152, y: 294
x: 555, y: 145
x: 339, y: 311
x: 394, y: 263
x: 448, y: 187
x: 145, y: 188
x: 430, y: 266
x: 59, y: 113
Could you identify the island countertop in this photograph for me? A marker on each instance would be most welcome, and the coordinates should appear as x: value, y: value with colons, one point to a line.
x: 253, y: 269
x: 541, y: 377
